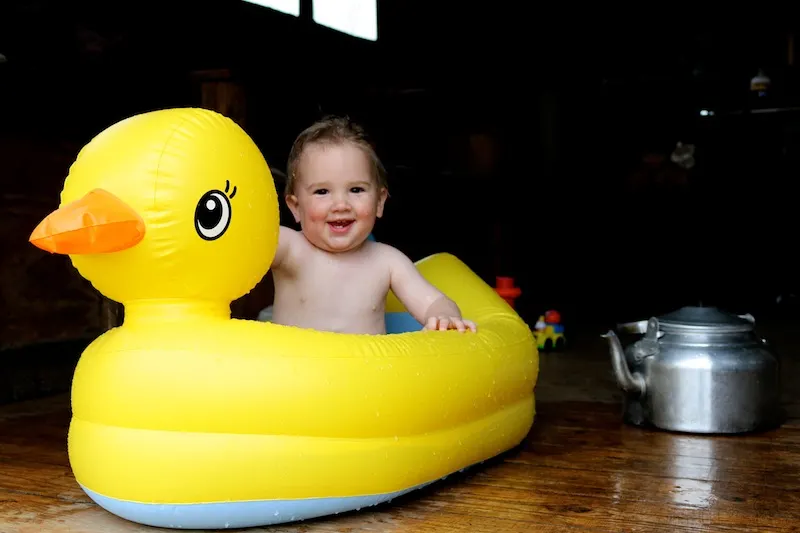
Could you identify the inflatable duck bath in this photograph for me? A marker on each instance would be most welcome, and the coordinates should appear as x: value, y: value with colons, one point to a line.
x: 186, y: 418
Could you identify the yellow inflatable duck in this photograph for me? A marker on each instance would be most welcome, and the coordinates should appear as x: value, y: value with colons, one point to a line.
x: 186, y: 418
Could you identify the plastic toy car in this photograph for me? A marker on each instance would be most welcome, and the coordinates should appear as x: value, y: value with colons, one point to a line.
x: 549, y: 332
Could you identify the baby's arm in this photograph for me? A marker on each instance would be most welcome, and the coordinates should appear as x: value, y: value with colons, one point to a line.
x: 425, y: 302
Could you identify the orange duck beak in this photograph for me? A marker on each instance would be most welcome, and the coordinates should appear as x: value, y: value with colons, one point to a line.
x: 95, y: 224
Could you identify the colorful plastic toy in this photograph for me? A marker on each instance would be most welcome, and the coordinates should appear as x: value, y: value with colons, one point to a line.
x: 549, y: 332
x: 505, y: 288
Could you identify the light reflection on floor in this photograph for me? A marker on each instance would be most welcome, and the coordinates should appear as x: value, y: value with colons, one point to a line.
x: 691, y: 462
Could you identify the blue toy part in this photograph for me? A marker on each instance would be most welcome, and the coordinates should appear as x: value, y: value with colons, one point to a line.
x: 558, y: 328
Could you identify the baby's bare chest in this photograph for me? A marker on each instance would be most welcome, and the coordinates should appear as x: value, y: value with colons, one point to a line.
x: 359, y: 284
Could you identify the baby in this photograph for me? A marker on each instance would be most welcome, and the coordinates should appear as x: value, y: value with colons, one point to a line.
x: 329, y: 276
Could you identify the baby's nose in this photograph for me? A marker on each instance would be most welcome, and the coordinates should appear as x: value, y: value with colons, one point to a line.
x: 340, y: 203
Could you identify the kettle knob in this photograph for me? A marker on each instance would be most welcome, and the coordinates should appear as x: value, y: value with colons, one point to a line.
x: 647, y: 345
x: 651, y: 333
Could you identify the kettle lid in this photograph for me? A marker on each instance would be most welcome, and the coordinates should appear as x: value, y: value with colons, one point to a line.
x: 704, y: 319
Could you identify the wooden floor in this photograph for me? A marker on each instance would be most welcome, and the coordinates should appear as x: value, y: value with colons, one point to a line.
x: 580, y: 469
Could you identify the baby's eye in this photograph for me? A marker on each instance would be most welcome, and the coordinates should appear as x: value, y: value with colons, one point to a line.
x: 321, y: 191
x: 356, y: 190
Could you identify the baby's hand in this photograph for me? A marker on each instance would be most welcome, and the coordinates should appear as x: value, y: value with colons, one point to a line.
x: 443, y: 323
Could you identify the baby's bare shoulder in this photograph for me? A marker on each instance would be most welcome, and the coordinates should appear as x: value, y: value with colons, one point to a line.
x: 288, y: 233
x: 291, y: 249
x: 382, y: 249
x: 389, y: 255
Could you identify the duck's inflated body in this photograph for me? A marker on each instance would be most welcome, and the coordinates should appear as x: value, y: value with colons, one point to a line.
x: 185, y: 418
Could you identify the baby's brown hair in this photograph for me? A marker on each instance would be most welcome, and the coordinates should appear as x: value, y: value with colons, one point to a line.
x: 333, y: 130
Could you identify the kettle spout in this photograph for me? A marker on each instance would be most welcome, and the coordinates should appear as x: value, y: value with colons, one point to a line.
x: 629, y: 382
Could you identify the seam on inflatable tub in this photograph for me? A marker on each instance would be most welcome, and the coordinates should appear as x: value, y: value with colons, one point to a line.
x: 354, y: 356
x: 304, y: 498
x: 519, y: 400
x: 167, y: 142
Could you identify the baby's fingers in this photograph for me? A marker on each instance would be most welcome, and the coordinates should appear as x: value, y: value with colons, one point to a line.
x: 464, y: 325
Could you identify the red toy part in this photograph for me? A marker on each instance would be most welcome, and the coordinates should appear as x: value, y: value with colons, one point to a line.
x: 505, y: 288
x: 552, y: 317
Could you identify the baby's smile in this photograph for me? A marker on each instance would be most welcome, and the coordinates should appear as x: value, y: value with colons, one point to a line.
x: 340, y: 226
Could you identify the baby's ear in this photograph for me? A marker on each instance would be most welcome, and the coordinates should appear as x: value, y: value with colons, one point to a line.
x: 291, y: 202
x: 382, y: 196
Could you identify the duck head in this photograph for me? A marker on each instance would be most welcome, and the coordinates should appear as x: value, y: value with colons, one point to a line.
x: 170, y: 204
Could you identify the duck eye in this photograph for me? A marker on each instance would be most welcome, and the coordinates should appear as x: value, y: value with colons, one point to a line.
x: 212, y: 215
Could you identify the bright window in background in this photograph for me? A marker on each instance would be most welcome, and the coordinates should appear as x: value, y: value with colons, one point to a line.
x: 290, y: 7
x: 358, y: 18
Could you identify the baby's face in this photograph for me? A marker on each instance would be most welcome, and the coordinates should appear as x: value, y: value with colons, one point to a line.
x: 336, y: 200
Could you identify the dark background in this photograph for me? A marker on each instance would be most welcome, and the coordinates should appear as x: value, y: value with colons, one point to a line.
x: 531, y: 144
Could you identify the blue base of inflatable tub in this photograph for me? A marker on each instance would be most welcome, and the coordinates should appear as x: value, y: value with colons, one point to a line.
x: 401, y: 323
x: 395, y: 322
x: 223, y: 515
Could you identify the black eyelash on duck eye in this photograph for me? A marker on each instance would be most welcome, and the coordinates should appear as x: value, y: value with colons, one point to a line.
x: 228, y: 187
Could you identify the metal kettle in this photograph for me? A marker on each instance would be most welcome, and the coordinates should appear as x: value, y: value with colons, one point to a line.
x: 697, y: 370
